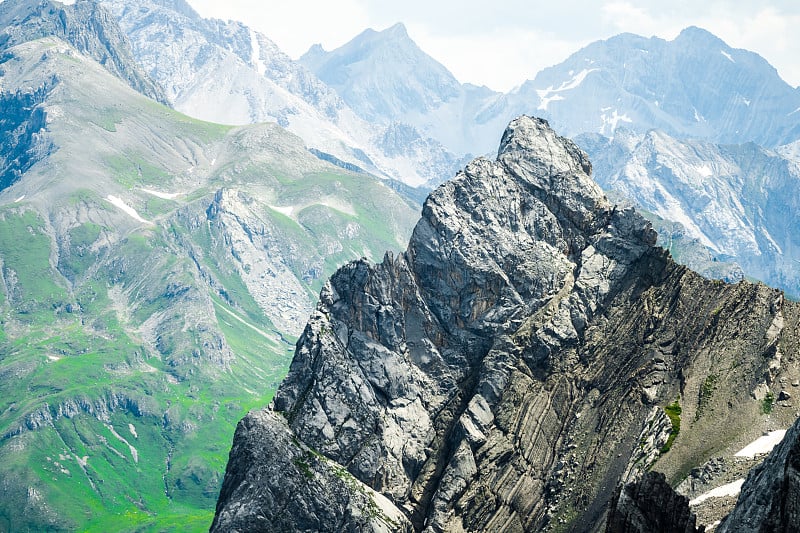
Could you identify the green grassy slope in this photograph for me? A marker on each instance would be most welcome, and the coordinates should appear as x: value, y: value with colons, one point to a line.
x: 132, y: 343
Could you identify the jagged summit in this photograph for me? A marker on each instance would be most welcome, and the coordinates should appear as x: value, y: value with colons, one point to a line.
x: 396, y: 32
x: 698, y: 35
x: 693, y: 86
x: 506, y: 371
x: 383, y: 75
x: 314, y: 50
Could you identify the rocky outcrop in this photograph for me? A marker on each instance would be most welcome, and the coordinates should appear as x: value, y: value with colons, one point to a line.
x: 90, y: 28
x: 770, y: 497
x: 498, y: 374
x: 22, y: 124
x: 288, y: 479
x: 650, y: 504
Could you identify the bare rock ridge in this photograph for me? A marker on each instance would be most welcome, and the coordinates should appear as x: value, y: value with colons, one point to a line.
x: 506, y: 372
x: 87, y: 26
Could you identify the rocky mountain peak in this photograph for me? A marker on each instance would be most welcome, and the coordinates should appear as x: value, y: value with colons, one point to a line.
x: 87, y: 26
x: 384, y: 75
x: 506, y: 372
x: 398, y: 30
x: 700, y: 36
x: 394, y: 34
x: 532, y: 141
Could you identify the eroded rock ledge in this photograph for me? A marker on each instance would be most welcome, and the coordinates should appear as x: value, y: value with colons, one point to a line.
x: 502, y: 373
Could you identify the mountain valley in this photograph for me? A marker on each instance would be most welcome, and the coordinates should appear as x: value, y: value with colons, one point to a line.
x: 151, y: 290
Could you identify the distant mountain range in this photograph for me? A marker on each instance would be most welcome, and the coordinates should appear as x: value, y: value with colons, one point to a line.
x: 695, y: 86
x: 688, y: 130
x: 228, y: 73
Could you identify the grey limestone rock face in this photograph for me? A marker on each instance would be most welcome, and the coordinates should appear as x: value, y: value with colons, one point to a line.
x: 498, y: 374
x: 770, y: 497
x: 87, y: 26
x: 303, y: 490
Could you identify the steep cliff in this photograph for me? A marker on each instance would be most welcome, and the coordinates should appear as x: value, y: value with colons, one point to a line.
x: 508, y: 370
x: 770, y: 497
x: 84, y: 24
x: 650, y: 504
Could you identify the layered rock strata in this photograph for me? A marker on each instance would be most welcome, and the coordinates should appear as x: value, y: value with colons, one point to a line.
x: 501, y: 374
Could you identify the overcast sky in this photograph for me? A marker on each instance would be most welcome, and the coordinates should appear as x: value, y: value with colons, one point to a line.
x: 501, y: 43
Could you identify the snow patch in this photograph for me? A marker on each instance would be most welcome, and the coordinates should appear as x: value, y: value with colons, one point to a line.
x: 162, y: 195
x: 332, y: 203
x: 769, y: 238
x: 249, y: 325
x: 726, y: 54
x: 704, y: 171
x: 18, y: 200
x: 256, y: 58
x: 119, y: 203
x: 132, y: 429
x: 284, y: 210
x: 762, y: 445
x: 610, y: 120
x: 550, y: 94
x: 793, y: 112
x: 731, y: 489
x: 54, y: 358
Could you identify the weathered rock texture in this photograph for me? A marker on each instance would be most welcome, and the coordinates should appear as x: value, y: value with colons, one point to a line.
x: 88, y: 27
x: 278, y: 481
x: 770, y: 497
x: 650, y: 504
x: 501, y: 374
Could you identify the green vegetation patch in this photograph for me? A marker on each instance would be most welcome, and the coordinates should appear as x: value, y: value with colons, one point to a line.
x: 768, y: 403
x: 673, y: 411
x: 79, y: 257
x: 133, y: 170
x: 25, y: 248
